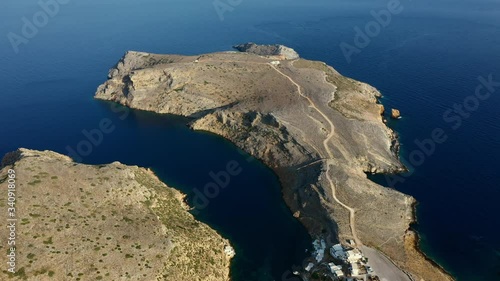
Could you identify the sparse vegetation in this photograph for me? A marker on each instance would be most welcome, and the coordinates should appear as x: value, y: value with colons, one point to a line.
x: 114, y: 223
x: 34, y: 182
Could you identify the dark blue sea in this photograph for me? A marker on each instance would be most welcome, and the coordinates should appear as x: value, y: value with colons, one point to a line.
x: 426, y: 60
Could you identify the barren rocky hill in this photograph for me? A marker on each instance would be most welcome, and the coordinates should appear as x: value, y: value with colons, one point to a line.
x: 319, y: 131
x: 106, y: 222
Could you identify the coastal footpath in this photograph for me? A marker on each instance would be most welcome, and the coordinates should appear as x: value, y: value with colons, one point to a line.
x: 319, y: 131
x: 70, y: 221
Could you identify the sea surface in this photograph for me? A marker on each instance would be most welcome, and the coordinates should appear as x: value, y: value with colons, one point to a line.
x: 426, y: 58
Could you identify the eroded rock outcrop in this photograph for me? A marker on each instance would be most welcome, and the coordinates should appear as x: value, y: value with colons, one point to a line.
x: 395, y: 113
x: 303, y: 119
x: 106, y: 222
x: 268, y: 50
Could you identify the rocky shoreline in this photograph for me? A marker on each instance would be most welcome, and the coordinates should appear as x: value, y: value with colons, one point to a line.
x: 277, y: 107
x: 416, y: 245
x: 103, y: 222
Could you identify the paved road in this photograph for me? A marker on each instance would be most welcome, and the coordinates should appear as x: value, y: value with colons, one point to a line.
x: 384, y: 267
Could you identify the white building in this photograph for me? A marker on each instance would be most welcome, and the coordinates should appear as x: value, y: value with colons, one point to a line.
x: 353, y: 256
x: 309, y: 266
x: 319, y: 249
x: 356, y: 269
x: 336, y: 269
x: 337, y: 251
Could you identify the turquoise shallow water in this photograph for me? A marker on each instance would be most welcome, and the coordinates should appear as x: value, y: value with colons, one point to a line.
x: 428, y: 58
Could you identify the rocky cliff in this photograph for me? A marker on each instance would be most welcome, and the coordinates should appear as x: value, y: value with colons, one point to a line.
x: 319, y: 131
x: 268, y: 50
x: 106, y: 222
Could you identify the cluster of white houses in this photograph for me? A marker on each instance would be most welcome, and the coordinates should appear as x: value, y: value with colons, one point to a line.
x: 348, y: 263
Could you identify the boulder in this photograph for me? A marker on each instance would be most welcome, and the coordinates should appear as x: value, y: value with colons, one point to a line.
x: 395, y: 114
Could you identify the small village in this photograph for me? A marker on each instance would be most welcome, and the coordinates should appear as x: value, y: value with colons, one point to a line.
x: 338, y: 262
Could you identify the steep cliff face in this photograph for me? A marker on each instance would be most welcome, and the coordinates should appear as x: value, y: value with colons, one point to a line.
x: 318, y: 130
x: 106, y: 222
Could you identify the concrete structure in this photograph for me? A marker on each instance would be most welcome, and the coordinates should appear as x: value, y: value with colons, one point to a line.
x: 319, y: 249
x: 358, y: 269
x: 336, y: 269
x: 338, y: 252
x: 354, y: 256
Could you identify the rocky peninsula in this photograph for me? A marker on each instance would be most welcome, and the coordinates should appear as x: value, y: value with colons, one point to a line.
x: 319, y: 131
x: 105, y: 222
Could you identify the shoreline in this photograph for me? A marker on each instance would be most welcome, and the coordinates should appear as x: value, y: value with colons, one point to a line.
x: 417, y: 242
x: 396, y: 148
x: 149, y: 244
x: 266, y: 133
x: 311, y: 232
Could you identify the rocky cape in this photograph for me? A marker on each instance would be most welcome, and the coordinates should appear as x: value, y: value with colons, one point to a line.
x: 105, y: 222
x: 319, y: 131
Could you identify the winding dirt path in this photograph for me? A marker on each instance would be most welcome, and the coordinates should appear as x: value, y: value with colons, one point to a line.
x: 352, y: 212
